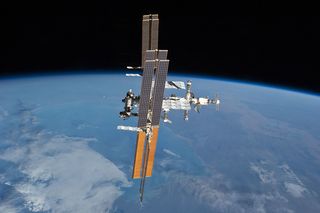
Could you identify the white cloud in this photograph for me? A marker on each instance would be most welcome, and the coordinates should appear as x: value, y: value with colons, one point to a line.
x: 264, y: 175
x: 217, y: 193
x: 7, y: 208
x: 295, y: 189
x: 279, y: 175
x: 61, y: 173
x: 64, y: 174
x: 291, y: 176
x: 167, y: 151
x: 3, y: 113
x: 83, y: 125
x: 293, y: 184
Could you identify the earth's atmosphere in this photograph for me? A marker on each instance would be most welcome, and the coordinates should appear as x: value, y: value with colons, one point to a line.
x: 60, y: 150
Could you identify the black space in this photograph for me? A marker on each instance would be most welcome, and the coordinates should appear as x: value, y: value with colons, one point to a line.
x: 219, y: 39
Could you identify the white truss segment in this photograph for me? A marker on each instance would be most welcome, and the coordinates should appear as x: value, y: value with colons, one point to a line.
x: 179, y: 104
x: 201, y: 101
x: 133, y: 68
x: 133, y: 75
x: 204, y: 101
x: 129, y: 128
x: 175, y: 85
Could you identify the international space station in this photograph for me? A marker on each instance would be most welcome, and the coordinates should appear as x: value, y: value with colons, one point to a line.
x: 151, y: 102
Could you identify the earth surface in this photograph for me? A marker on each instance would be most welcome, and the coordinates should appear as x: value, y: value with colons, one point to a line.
x: 60, y: 150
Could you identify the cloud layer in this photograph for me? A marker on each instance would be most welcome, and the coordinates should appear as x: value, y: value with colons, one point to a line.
x: 60, y: 173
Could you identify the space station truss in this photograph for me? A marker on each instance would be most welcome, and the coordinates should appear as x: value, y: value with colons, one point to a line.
x: 175, y: 85
x: 133, y: 75
x: 129, y: 128
x: 179, y: 104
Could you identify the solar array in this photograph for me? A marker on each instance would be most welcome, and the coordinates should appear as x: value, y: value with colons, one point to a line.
x: 160, y: 81
x: 138, y: 157
x: 148, y: 72
x: 150, y: 55
x: 150, y: 29
x: 150, y: 106
x: 162, y: 54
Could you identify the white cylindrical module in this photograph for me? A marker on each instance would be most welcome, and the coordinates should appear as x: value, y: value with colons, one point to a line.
x: 186, y: 115
x: 188, y: 93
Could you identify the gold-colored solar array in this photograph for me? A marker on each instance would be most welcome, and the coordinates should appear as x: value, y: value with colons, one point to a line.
x: 136, y: 173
